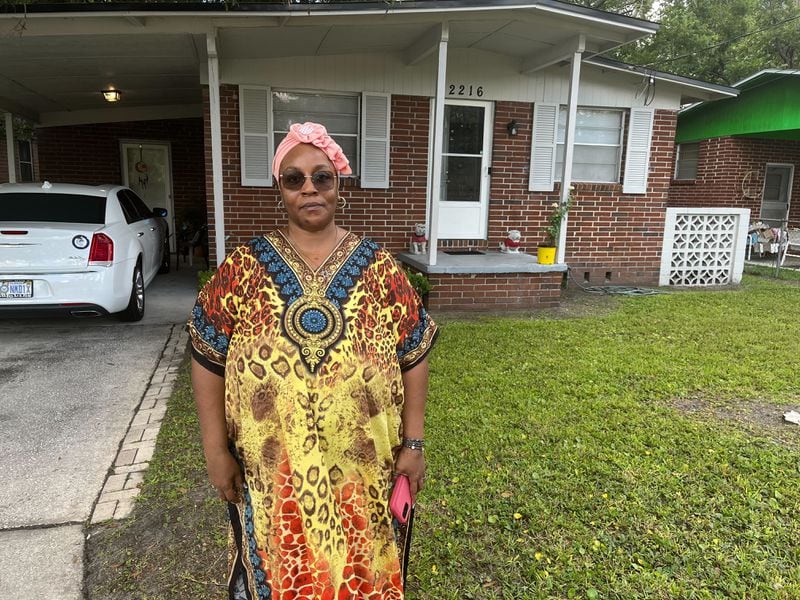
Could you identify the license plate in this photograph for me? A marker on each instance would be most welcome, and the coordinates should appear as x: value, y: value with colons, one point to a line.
x: 20, y: 288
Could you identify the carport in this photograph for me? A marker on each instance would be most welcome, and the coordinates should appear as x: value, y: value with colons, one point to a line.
x: 57, y: 60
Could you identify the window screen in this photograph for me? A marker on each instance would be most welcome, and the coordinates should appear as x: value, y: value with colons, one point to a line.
x: 686, y: 161
x: 598, y: 141
x: 339, y: 113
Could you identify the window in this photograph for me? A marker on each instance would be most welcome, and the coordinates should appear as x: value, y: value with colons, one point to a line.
x: 598, y: 140
x: 25, y: 161
x: 686, y: 160
x: 52, y: 207
x: 338, y: 112
x: 360, y: 123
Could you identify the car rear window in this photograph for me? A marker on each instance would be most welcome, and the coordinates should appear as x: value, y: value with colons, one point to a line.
x: 52, y: 208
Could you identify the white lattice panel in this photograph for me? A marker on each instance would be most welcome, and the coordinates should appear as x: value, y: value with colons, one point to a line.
x: 704, y: 246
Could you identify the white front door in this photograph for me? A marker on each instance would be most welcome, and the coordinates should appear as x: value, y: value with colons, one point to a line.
x: 464, y: 201
x: 777, y: 194
x: 147, y: 170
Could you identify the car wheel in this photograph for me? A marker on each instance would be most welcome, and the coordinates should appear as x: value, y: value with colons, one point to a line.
x: 135, y: 309
x: 164, y: 268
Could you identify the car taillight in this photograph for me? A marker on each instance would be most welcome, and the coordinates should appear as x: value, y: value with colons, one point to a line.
x: 102, y: 251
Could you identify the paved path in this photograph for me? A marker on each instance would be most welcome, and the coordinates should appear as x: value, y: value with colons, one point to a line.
x: 69, y: 391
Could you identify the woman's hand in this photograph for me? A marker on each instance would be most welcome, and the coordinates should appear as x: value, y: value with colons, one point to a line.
x: 225, y: 475
x: 412, y: 464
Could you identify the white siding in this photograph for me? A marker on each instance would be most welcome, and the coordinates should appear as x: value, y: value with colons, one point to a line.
x: 498, y: 76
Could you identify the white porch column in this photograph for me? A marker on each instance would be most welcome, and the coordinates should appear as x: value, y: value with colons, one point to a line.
x: 10, y: 150
x: 216, y: 147
x: 569, y: 137
x: 438, y: 136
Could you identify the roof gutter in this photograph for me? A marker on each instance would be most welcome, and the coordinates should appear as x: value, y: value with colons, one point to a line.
x: 220, y: 9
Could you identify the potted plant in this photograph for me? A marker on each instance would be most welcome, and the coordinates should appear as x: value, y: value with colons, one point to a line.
x: 546, y: 253
x: 421, y: 284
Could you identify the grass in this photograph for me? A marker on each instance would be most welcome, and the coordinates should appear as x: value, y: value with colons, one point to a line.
x: 769, y: 271
x: 638, y: 453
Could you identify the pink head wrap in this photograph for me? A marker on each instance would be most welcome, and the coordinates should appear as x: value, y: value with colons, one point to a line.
x: 316, y: 135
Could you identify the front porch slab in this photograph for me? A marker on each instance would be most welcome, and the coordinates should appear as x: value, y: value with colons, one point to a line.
x: 490, y: 281
x: 488, y: 262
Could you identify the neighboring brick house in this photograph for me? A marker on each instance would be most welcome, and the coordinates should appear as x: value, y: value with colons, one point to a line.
x: 455, y: 115
x: 743, y: 152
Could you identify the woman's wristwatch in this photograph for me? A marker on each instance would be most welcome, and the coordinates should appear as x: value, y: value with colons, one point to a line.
x: 413, y: 444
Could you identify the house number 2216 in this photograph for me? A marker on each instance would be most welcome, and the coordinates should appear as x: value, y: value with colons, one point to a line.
x: 465, y: 90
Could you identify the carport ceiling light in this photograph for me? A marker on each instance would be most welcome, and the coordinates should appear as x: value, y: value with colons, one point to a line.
x: 111, y: 95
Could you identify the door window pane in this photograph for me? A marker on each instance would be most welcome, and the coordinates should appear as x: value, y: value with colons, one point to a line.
x: 462, y: 180
x: 464, y: 127
x: 775, y: 202
x: 25, y: 161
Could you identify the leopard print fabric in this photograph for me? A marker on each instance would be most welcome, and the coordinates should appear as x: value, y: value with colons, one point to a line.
x: 313, y: 365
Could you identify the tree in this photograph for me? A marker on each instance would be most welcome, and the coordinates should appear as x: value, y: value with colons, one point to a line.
x: 632, y: 8
x: 720, y: 42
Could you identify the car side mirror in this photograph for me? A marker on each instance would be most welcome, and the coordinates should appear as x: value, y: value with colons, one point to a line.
x: 159, y: 212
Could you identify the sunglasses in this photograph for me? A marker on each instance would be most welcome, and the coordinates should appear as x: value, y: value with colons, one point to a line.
x: 295, y: 180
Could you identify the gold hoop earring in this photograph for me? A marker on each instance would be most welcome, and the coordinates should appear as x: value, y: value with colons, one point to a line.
x: 342, y: 202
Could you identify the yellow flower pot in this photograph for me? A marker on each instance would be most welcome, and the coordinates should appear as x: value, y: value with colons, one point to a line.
x: 546, y: 255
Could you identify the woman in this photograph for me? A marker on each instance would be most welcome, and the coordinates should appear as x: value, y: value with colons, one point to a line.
x: 310, y: 375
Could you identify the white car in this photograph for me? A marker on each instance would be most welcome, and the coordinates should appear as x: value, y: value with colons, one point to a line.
x: 78, y: 249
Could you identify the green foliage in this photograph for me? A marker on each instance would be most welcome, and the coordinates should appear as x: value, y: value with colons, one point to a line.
x: 554, y: 221
x: 720, y: 42
x: 23, y: 129
x: 421, y: 284
x: 203, y: 277
x: 633, y: 8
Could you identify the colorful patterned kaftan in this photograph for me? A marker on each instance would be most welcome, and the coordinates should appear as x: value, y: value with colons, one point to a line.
x: 313, y: 398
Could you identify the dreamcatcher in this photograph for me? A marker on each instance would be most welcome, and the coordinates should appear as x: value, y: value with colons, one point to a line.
x: 750, y: 185
x: 142, y: 171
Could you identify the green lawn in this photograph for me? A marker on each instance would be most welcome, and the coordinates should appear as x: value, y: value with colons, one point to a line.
x: 636, y: 454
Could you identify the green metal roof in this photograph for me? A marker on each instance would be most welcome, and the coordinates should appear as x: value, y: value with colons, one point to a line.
x: 768, y: 106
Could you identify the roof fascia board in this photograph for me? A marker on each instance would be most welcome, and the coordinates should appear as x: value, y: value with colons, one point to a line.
x: 760, y: 73
x: 658, y: 75
x: 592, y: 14
x: 120, y: 114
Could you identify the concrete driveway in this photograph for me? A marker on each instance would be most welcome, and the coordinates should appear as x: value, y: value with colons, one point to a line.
x: 68, y: 390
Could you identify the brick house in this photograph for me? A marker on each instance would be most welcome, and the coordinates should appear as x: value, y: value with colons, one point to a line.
x: 465, y: 116
x: 744, y: 151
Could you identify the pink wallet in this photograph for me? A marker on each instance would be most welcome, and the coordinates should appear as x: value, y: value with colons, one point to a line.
x: 400, y: 501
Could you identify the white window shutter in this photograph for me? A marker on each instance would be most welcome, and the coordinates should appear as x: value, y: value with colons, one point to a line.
x: 543, y: 147
x: 375, y: 131
x: 637, y: 156
x: 255, y: 127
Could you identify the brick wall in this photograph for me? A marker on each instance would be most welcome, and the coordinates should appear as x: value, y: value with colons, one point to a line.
x: 90, y: 154
x: 494, y: 291
x: 612, y: 237
x: 730, y: 173
x: 387, y: 216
